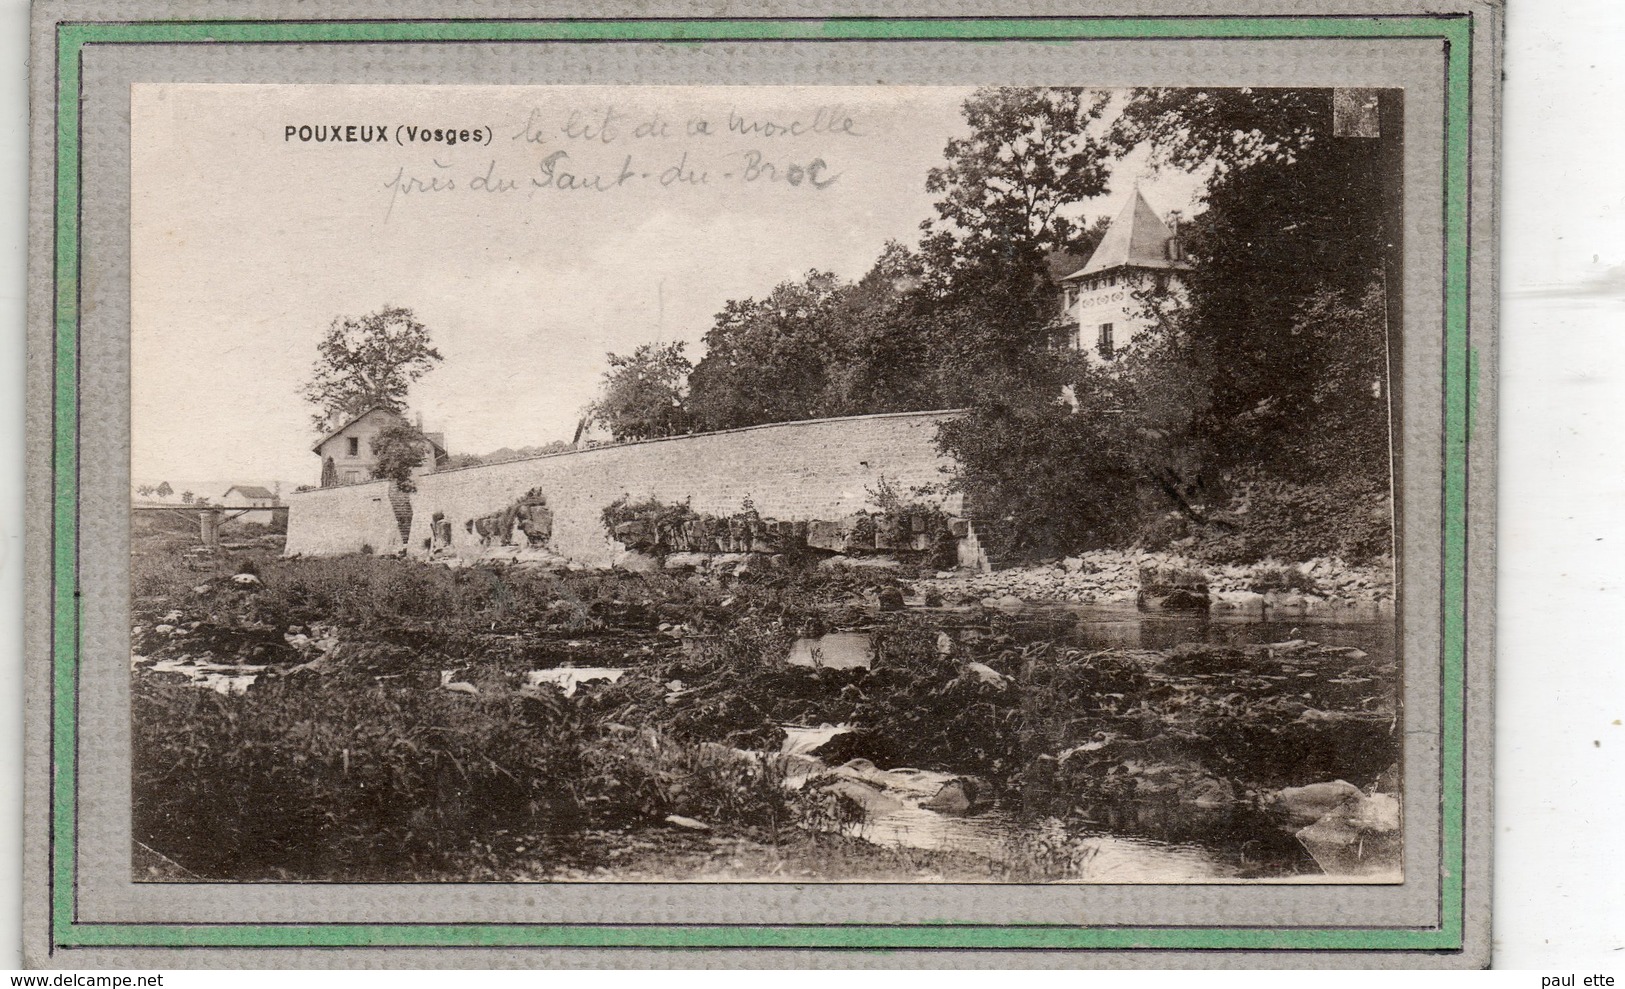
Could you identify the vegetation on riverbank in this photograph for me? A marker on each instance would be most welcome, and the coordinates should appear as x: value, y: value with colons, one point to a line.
x: 373, y: 718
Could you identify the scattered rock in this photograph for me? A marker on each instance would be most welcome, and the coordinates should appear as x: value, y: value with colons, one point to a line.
x: 446, y: 682
x: 677, y: 820
x: 987, y: 674
x: 1205, y: 657
x: 891, y: 599
x: 869, y: 562
x: 1209, y: 792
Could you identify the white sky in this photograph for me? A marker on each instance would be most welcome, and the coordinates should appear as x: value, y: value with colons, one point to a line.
x: 245, y: 245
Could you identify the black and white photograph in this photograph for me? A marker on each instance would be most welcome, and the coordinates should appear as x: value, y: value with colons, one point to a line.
x: 765, y: 484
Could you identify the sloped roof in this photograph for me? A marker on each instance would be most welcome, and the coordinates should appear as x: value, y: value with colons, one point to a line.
x: 364, y: 413
x: 435, y: 439
x: 1137, y: 238
x: 249, y: 491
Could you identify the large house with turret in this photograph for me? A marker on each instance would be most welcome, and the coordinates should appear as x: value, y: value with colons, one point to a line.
x: 1100, y: 313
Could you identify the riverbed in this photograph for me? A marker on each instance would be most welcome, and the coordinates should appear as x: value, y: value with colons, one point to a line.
x: 1125, y: 841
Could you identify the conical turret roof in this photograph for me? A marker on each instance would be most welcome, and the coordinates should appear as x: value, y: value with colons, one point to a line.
x: 1137, y: 238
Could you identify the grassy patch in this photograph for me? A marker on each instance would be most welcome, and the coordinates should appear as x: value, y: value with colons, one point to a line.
x: 350, y: 781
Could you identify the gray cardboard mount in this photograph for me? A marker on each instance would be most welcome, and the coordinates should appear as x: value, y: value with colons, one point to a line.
x: 103, y: 890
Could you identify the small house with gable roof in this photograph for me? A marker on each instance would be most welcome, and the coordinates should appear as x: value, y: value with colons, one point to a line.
x: 239, y: 495
x: 346, y: 452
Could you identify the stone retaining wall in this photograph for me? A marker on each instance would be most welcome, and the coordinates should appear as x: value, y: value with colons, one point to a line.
x: 821, y: 469
x: 345, y: 519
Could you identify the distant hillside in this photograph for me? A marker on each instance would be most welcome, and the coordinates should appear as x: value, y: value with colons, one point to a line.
x: 506, y: 454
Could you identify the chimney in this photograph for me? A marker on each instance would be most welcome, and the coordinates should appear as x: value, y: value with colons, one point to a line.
x: 1175, y: 247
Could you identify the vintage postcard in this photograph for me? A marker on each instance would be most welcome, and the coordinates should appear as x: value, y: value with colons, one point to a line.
x: 590, y: 493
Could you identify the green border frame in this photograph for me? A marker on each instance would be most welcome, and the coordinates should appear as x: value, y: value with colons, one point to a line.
x: 66, y: 931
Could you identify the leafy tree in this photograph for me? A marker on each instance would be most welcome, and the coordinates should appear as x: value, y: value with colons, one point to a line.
x: 643, y: 393
x: 399, y: 449
x: 164, y: 490
x: 1296, y: 262
x: 368, y: 361
x: 1012, y: 189
x: 923, y: 329
x: 767, y: 360
x: 1262, y: 375
x: 200, y: 501
x: 1056, y: 478
x: 186, y: 497
x: 145, y: 490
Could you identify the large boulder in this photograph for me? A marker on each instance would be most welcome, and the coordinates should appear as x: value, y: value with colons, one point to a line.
x: 1308, y: 804
x: 686, y: 561
x: 959, y: 797
x: 1357, y: 837
x: 635, y: 534
x: 536, y: 522
x: 826, y: 535
x: 632, y: 561
x: 1162, y: 598
x: 869, y: 798
x: 1166, y: 588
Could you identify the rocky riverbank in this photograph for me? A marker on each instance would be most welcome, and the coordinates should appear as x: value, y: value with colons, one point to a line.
x: 465, y: 722
x: 1113, y: 577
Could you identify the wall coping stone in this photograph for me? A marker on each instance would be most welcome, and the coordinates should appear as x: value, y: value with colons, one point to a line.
x: 337, y: 488
x: 686, y: 436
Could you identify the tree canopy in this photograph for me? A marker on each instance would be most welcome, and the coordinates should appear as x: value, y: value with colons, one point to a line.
x: 642, y: 394
x: 1011, y: 191
x: 365, y: 362
x: 399, y: 449
x: 1265, y: 365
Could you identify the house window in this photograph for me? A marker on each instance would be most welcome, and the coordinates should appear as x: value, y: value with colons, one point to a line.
x: 355, y: 446
x: 1104, y: 343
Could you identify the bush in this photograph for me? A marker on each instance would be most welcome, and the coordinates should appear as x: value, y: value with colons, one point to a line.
x: 344, y: 779
x: 660, y: 516
x: 1283, y: 579
x: 373, y: 593
x: 647, y: 774
x: 1058, y: 481
x: 1351, y: 520
x: 332, y: 782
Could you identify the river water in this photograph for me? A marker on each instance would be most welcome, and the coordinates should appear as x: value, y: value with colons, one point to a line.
x: 1121, y: 842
